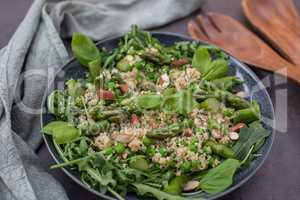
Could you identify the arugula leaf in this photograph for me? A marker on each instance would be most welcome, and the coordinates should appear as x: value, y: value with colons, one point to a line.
x: 104, y: 180
x: 84, y: 49
x: 249, y: 136
x: 176, y: 185
x: 149, y: 101
x: 219, y: 178
x: 182, y: 102
x: 62, y: 132
x: 217, y: 69
x: 143, y: 189
x: 201, y: 60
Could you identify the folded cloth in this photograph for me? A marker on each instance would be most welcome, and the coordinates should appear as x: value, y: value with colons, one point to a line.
x: 28, y: 63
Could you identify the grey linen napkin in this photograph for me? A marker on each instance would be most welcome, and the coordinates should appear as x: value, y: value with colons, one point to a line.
x: 28, y: 63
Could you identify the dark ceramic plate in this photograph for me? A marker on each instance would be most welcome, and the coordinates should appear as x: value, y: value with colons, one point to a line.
x: 252, y: 86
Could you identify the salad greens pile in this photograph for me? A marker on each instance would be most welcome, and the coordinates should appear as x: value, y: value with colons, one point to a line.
x: 160, y: 121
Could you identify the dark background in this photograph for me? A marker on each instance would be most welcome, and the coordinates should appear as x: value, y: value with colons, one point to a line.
x: 278, y: 178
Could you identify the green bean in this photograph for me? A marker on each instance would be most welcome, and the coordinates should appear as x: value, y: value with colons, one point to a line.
x: 220, y: 149
x: 247, y: 115
x: 161, y: 133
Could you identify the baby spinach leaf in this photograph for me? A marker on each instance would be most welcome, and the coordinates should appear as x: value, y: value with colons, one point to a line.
x: 249, y: 136
x: 217, y: 69
x: 149, y: 101
x: 143, y: 189
x: 201, y: 59
x: 62, y: 132
x: 182, y: 102
x: 176, y: 185
x: 84, y: 49
x: 219, y: 178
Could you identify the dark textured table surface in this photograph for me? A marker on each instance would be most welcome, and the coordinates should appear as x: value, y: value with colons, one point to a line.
x: 278, y: 178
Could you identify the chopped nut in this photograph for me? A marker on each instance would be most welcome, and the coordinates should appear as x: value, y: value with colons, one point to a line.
x: 135, y: 145
x: 233, y: 135
x: 216, y: 134
x: 123, y: 138
x: 191, y: 185
x: 179, y: 62
x: 188, y: 132
x: 237, y: 127
x: 164, y: 81
x: 102, y: 142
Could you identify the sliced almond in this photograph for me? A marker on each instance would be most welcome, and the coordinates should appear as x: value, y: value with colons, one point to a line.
x: 123, y: 138
x: 233, y: 135
x: 237, y: 127
x: 191, y: 185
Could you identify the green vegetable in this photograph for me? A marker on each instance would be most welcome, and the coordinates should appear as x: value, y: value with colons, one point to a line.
x: 143, y: 189
x: 220, y: 149
x: 94, y: 68
x: 160, y: 133
x: 247, y: 115
x: 74, y: 88
x: 217, y: 69
x: 149, y: 101
x: 84, y: 49
x: 123, y: 65
x: 176, y: 185
x: 139, y: 163
x: 186, y: 167
x: 147, y: 141
x: 56, y: 103
x: 211, y: 104
x: 62, y: 132
x: 120, y: 148
x: 181, y: 102
x: 226, y: 83
x: 249, y: 136
x: 220, y: 177
x: 163, y: 152
x: 201, y: 60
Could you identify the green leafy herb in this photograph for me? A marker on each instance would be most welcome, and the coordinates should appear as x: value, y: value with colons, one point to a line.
x: 217, y: 69
x: 84, y: 49
x: 219, y: 178
x: 181, y: 102
x: 61, y: 131
x: 201, y: 60
x: 249, y: 136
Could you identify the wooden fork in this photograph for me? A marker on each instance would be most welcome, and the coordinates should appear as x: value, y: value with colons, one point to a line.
x: 279, y: 22
x: 227, y: 33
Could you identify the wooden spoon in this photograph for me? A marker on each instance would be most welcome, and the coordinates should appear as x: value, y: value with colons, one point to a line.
x: 279, y: 21
x: 229, y: 34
